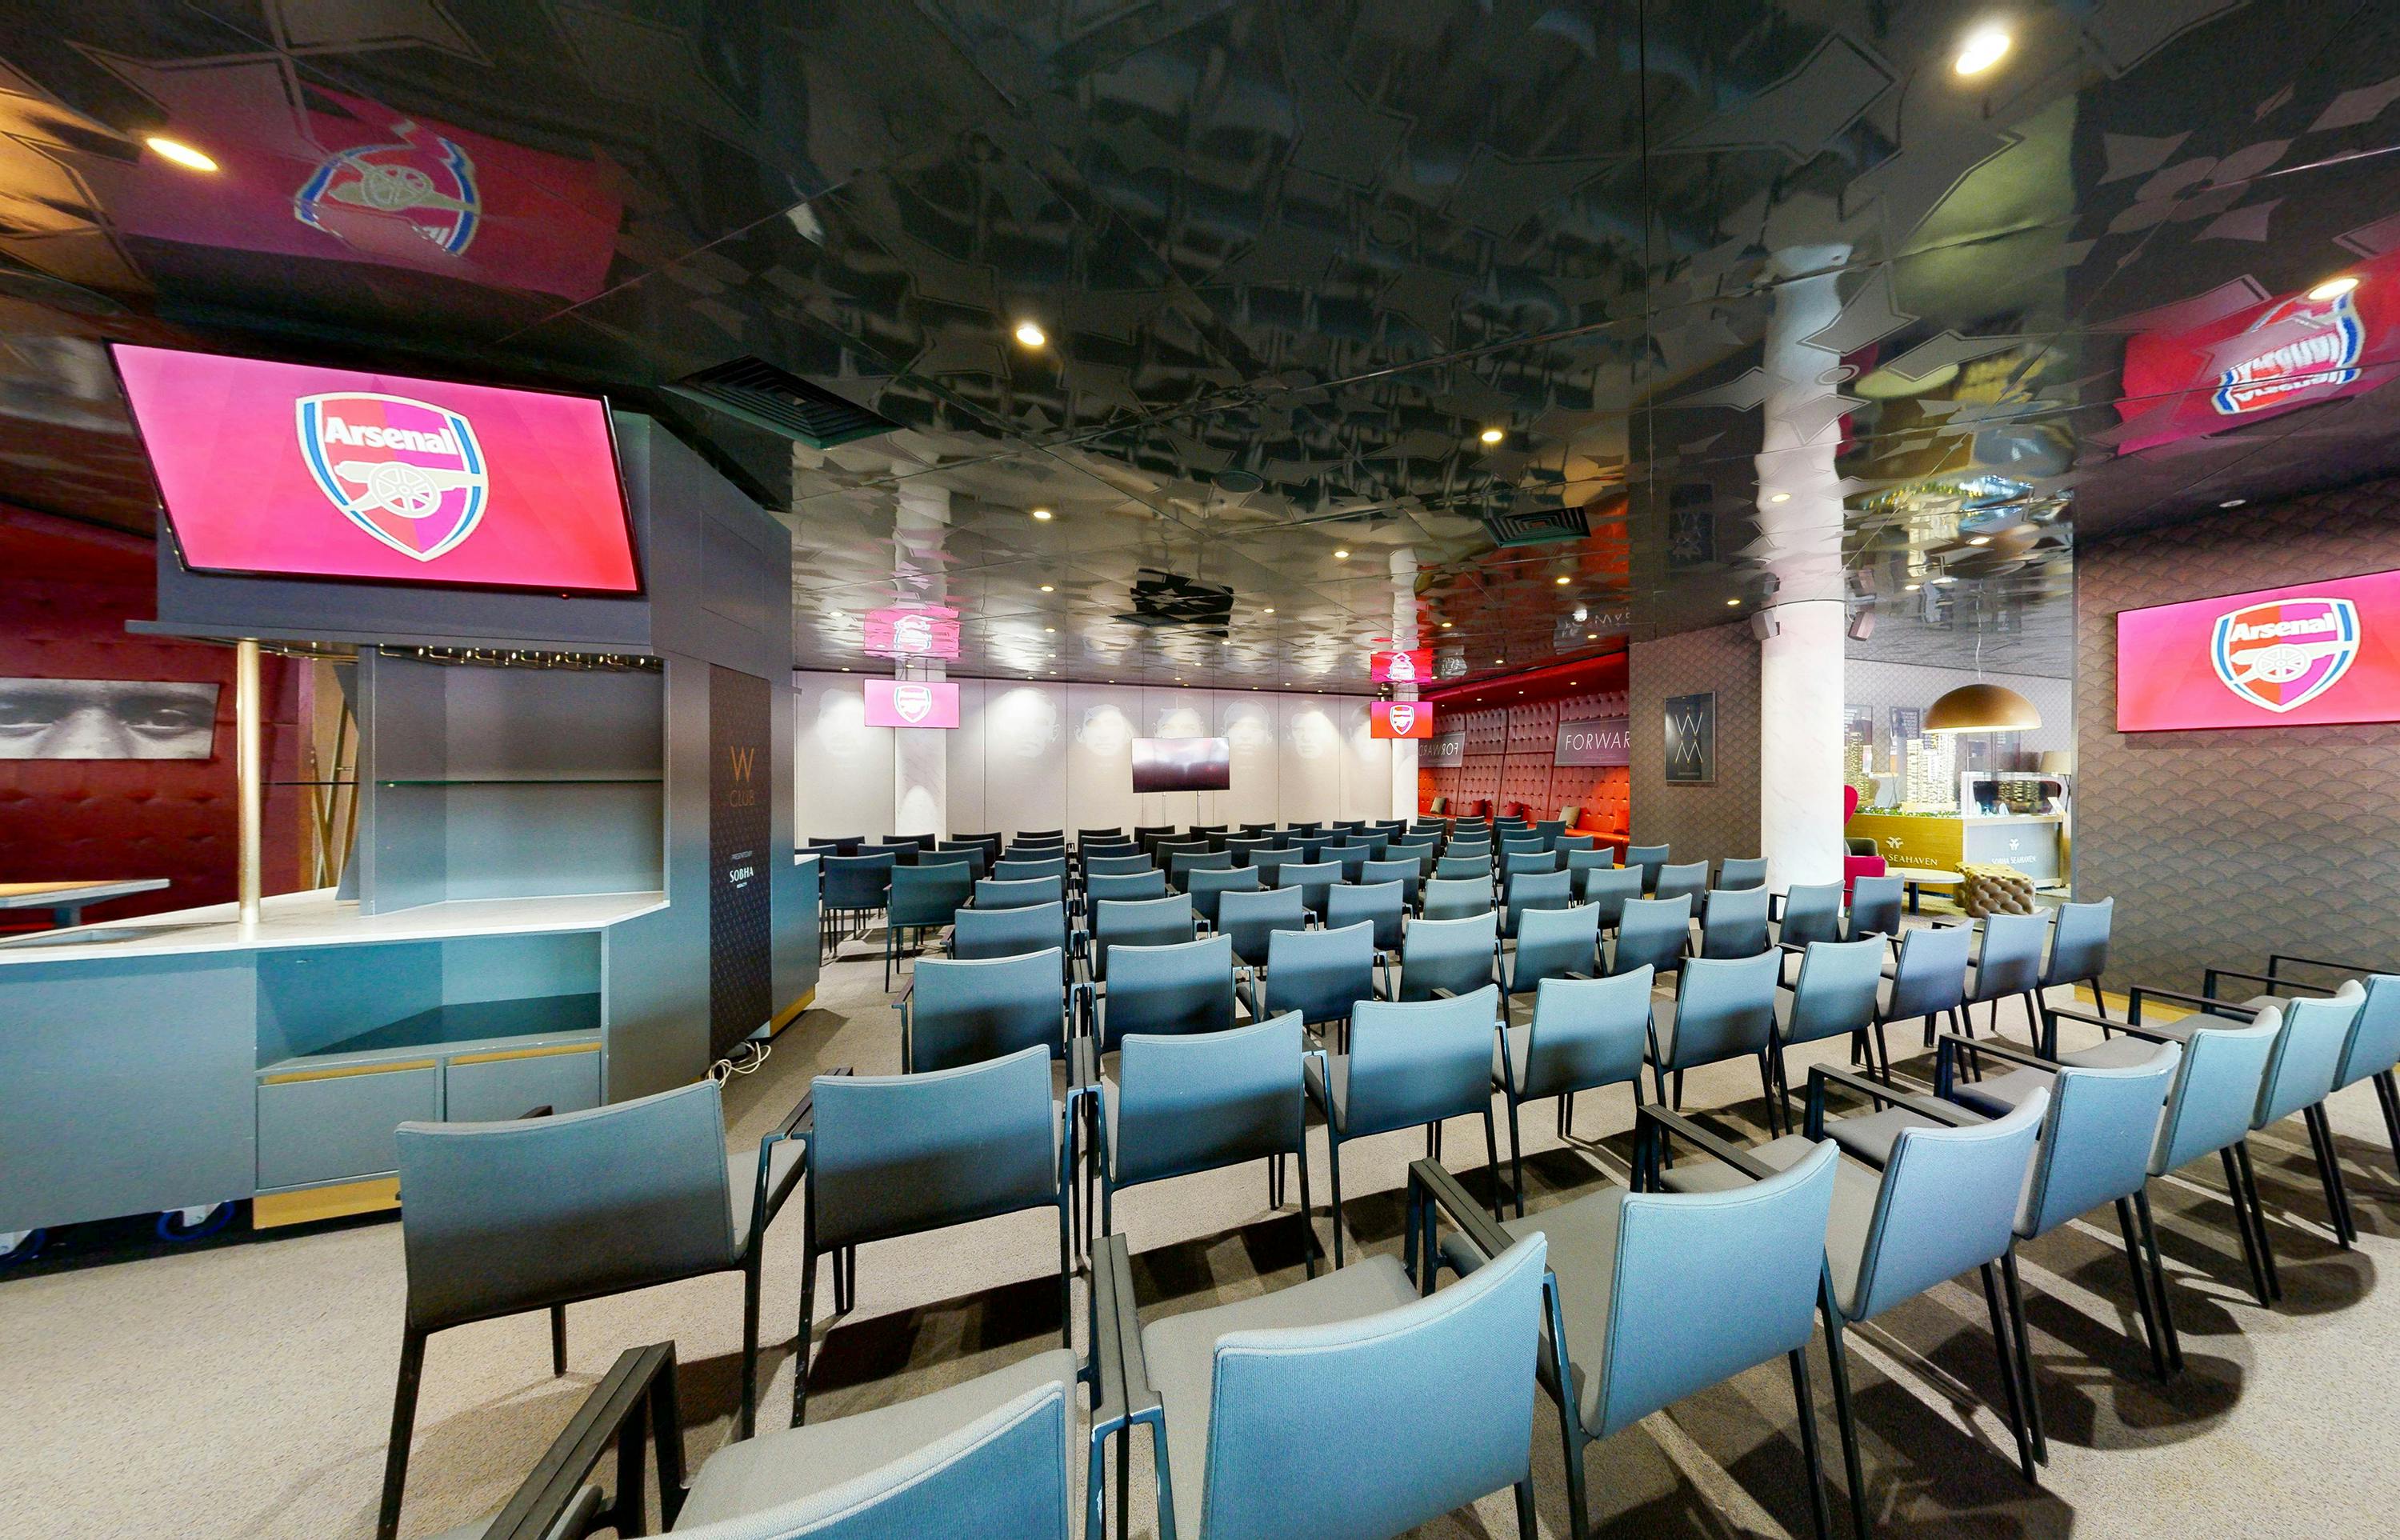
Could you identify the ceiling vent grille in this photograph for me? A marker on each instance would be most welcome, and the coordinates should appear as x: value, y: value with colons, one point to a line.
x: 1167, y: 601
x: 779, y: 402
x: 1537, y: 527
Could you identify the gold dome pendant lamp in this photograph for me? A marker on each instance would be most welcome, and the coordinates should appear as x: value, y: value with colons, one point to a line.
x: 1980, y: 707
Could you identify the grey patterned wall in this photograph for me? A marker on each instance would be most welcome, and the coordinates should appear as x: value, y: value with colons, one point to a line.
x: 1712, y: 822
x: 2220, y: 846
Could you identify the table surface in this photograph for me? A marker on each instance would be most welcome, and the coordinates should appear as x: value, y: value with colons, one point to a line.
x: 55, y: 895
x: 1932, y: 877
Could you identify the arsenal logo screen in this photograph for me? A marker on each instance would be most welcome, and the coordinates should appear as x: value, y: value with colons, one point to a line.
x: 2313, y: 654
x: 1400, y: 719
x: 292, y: 471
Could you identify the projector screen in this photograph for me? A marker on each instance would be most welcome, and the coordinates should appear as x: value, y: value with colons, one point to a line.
x: 2312, y: 653
x: 290, y: 471
x: 1182, y: 764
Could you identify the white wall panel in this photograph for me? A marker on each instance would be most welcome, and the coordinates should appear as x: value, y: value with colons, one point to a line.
x: 1022, y: 767
x: 1250, y: 721
x: 1366, y: 761
x: 841, y: 768
x: 964, y: 758
x: 1101, y: 723
x: 1310, y: 757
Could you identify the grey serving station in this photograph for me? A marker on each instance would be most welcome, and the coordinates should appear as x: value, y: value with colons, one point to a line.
x: 531, y: 909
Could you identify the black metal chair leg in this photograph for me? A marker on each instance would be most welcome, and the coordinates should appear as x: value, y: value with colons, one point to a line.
x: 1525, y: 1526
x: 2242, y: 1223
x: 2258, y: 1219
x: 2329, y: 1176
x: 1333, y: 1163
x: 807, y: 1341
x: 404, y: 1428
x: 1837, y: 1363
x: 2142, y: 1301
x: 1805, y: 1402
x: 2025, y: 1356
x: 2387, y: 1095
x: 750, y: 1281
x: 2159, y: 1282
x: 1491, y: 1159
x: 558, y: 1339
x: 1307, y: 1214
x: 1517, y: 1157
x: 2008, y: 1385
x: 2333, y: 1167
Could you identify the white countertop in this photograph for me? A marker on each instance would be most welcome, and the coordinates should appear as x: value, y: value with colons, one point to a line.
x: 315, y: 918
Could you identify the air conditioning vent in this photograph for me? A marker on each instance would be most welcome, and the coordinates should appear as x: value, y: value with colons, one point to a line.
x: 779, y: 402
x: 1537, y: 527
x: 1164, y: 601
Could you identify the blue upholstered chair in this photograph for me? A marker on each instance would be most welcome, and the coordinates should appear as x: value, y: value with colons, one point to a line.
x: 1690, y: 879
x: 1457, y: 955
x: 1318, y: 974
x: 1835, y: 993
x: 1157, y: 921
x: 1552, y: 942
x: 1874, y: 906
x: 1648, y: 860
x: 1251, y: 919
x: 1013, y: 933
x: 1550, y: 827
x: 1929, y: 979
x: 1090, y: 836
x: 1584, y: 1033
x: 1270, y: 863
x: 1175, y: 987
x: 1243, y: 848
x: 958, y: 1011
x: 2374, y: 1047
x: 1656, y: 1296
x: 2079, y: 946
x: 895, y: 1155
x: 1178, y: 1104
x: 1382, y: 905
x: 1588, y: 857
x: 1404, y: 869
x: 1180, y: 866
x: 1351, y: 856
x: 1651, y: 933
x: 1527, y: 890
x: 1132, y: 865
x: 1457, y: 897
x: 1516, y: 863
x: 1013, y: 869
x: 1724, y: 1009
x: 856, y: 887
x: 1150, y: 882
x: 1733, y: 922
x: 1313, y: 879
x: 1205, y: 886
x: 1811, y: 911
x: 1409, y: 1064
x: 977, y: 857
x: 1739, y: 873
x: 1434, y: 1395
x: 1017, y: 893
x: 1455, y: 862
x: 1608, y: 887
x: 2008, y: 965
x: 923, y: 898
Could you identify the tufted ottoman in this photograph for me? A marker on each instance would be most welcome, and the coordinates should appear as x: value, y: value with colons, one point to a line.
x: 1995, y: 890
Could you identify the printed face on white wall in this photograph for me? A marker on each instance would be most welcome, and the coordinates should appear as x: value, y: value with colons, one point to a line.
x: 1311, y: 736
x: 1028, y: 722
x: 841, y: 723
x: 1105, y: 730
x: 1180, y: 722
x: 1250, y: 732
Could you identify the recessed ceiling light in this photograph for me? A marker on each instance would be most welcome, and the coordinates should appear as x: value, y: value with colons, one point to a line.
x: 1733, y: 601
x: 2233, y: 502
x: 1591, y: 635
x: 1499, y: 660
x: 179, y: 153
x: 1341, y: 555
x: 2333, y: 288
x: 1050, y: 627
x: 1493, y: 435
x: 1984, y: 47
x: 845, y: 668
x: 1912, y: 588
x: 1778, y: 496
x: 1270, y: 609
x: 1946, y: 577
x: 1978, y: 539
x: 1030, y: 334
x: 1563, y: 581
x: 1042, y: 513
x: 1048, y: 587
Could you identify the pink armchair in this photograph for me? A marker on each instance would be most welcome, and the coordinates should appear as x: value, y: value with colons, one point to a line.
x: 1854, y: 865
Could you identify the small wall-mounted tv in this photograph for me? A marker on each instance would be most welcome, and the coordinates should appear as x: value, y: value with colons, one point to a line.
x: 1182, y: 764
x: 292, y: 471
x: 2310, y: 654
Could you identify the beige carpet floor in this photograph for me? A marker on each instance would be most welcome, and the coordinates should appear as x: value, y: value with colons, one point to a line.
x: 245, y: 1389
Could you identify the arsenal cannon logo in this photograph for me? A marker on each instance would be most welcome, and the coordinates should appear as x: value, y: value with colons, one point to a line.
x: 408, y: 472
x: 2286, y: 652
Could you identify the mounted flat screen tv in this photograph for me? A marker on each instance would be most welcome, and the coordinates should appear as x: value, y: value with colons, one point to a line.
x: 292, y: 471
x: 1182, y: 764
x: 2307, y: 655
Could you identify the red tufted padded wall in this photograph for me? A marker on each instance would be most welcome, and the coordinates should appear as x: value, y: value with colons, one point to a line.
x: 66, y: 591
x: 1508, y: 764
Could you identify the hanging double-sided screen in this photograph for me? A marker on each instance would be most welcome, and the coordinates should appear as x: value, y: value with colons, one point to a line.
x: 911, y: 703
x: 288, y: 469
x: 1399, y: 719
x: 2310, y: 654
x: 1401, y: 668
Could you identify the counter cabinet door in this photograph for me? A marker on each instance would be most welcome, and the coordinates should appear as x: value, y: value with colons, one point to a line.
x: 497, y: 1086
x: 326, y: 1126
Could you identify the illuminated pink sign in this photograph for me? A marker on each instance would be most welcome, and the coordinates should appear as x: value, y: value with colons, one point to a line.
x: 295, y: 471
x: 1400, y: 719
x: 1402, y: 668
x: 913, y: 631
x: 2313, y: 653
x: 911, y: 703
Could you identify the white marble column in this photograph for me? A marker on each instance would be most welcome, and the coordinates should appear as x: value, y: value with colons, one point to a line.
x: 1800, y: 525
x: 920, y: 757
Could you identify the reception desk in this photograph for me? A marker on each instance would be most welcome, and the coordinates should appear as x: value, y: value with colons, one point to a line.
x: 2025, y: 843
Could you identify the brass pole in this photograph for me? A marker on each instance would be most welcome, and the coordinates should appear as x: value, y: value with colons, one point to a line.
x: 247, y: 773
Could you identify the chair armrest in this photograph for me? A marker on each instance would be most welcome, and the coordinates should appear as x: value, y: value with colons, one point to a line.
x: 2131, y: 1029
x: 1121, y: 1372
x: 1657, y: 1122
x: 2209, y: 976
x: 1579, y: 978
x: 2276, y: 960
x: 1999, y: 1049
x: 1083, y: 1065
x: 615, y: 1410
x: 2139, y: 992
x: 1823, y: 1075
x: 1445, y: 994
x: 1431, y: 1181
x: 799, y: 1123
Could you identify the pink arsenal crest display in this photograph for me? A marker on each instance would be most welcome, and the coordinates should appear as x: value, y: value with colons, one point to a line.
x: 408, y: 472
x: 1400, y: 719
x: 2313, y: 653
x: 911, y: 703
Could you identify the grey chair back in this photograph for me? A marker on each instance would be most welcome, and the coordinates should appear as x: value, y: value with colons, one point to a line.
x: 1552, y: 942
x: 975, y: 857
x: 900, y: 1154
x: 1584, y: 1033
x: 1090, y: 836
x: 1312, y: 878
x: 1689, y: 880
x: 1947, y: 1205
x: 1193, y: 1103
x: 1419, y: 1061
x: 1318, y: 974
x: 1535, y: 890
x: 1206, y: 885
x: 1835, y: 992
x: 1526, y: 863
x: 930, y: 895
x: 1182, y: 866
x: 1874, y: 906
x: 1457, y: 897
x: 2009, y: 960
x: 1742, y: 872
x: 856, y: 881
x: 1457, y: 955
x: 1138, y: 923
x: 1241, y: 850
x: 1585, y: 859
x: 1550, y: 826
x: 1724, y: 1008
x: 1269, y: 863
x: 1608, y: 888
x: 2216, y: 1091
x: 1147, y: 883
x: 1513, y: 846
x: 2096, y: 1142
x: 2078, y: 944
x: 1115, y: 866
x: 2374, y: 1045
x: 1179, y: 988
x: 1251, y: 919
x: 1351, y: 857
x: 995, y: 893
x: 1447, y: 1379
x: 1573, y: 844
x: 2308, y: 1053
x: 1812, y: 912
x: 1379, y: 904
x: 982, y: 934
x: 1405, y: 871
x: 1734, y: 923
x: 1459, y: 868
x: 1651, y: 933
x: 1468, y: 850
x: 506, y: 1217
x: 1015, y: 870
x: 1705, y: 1286
x: 1931, y: 976
x: 967, y: 1010
x: 1648, y: 859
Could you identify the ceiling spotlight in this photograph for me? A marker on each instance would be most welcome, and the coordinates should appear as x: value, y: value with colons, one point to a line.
x: 1270, y: 609
x: 1049, y: 628
x: 1042, y: 514
x: 1563, y: 581
x: 1778, y: 496
x: 1733, y: 601
x: 1912, y: 588
x: 179, y: 153
x: 1493, y: 435
x: 2333, y: 288
x: 2233, y: 502
x: 1591, y: 635
x: 1978, y: 539
x: 1445, y: 625
x: 1341, y: 555
x: 1498, y: 662
x: 845, y: 668
x: 1981, y: 50
x: 1946, y: 577
x: 1049, y: 588
x: 1030, y: 334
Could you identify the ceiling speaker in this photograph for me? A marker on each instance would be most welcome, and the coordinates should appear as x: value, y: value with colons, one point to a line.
x: 1763, y: 625
x: 1862, y: 625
